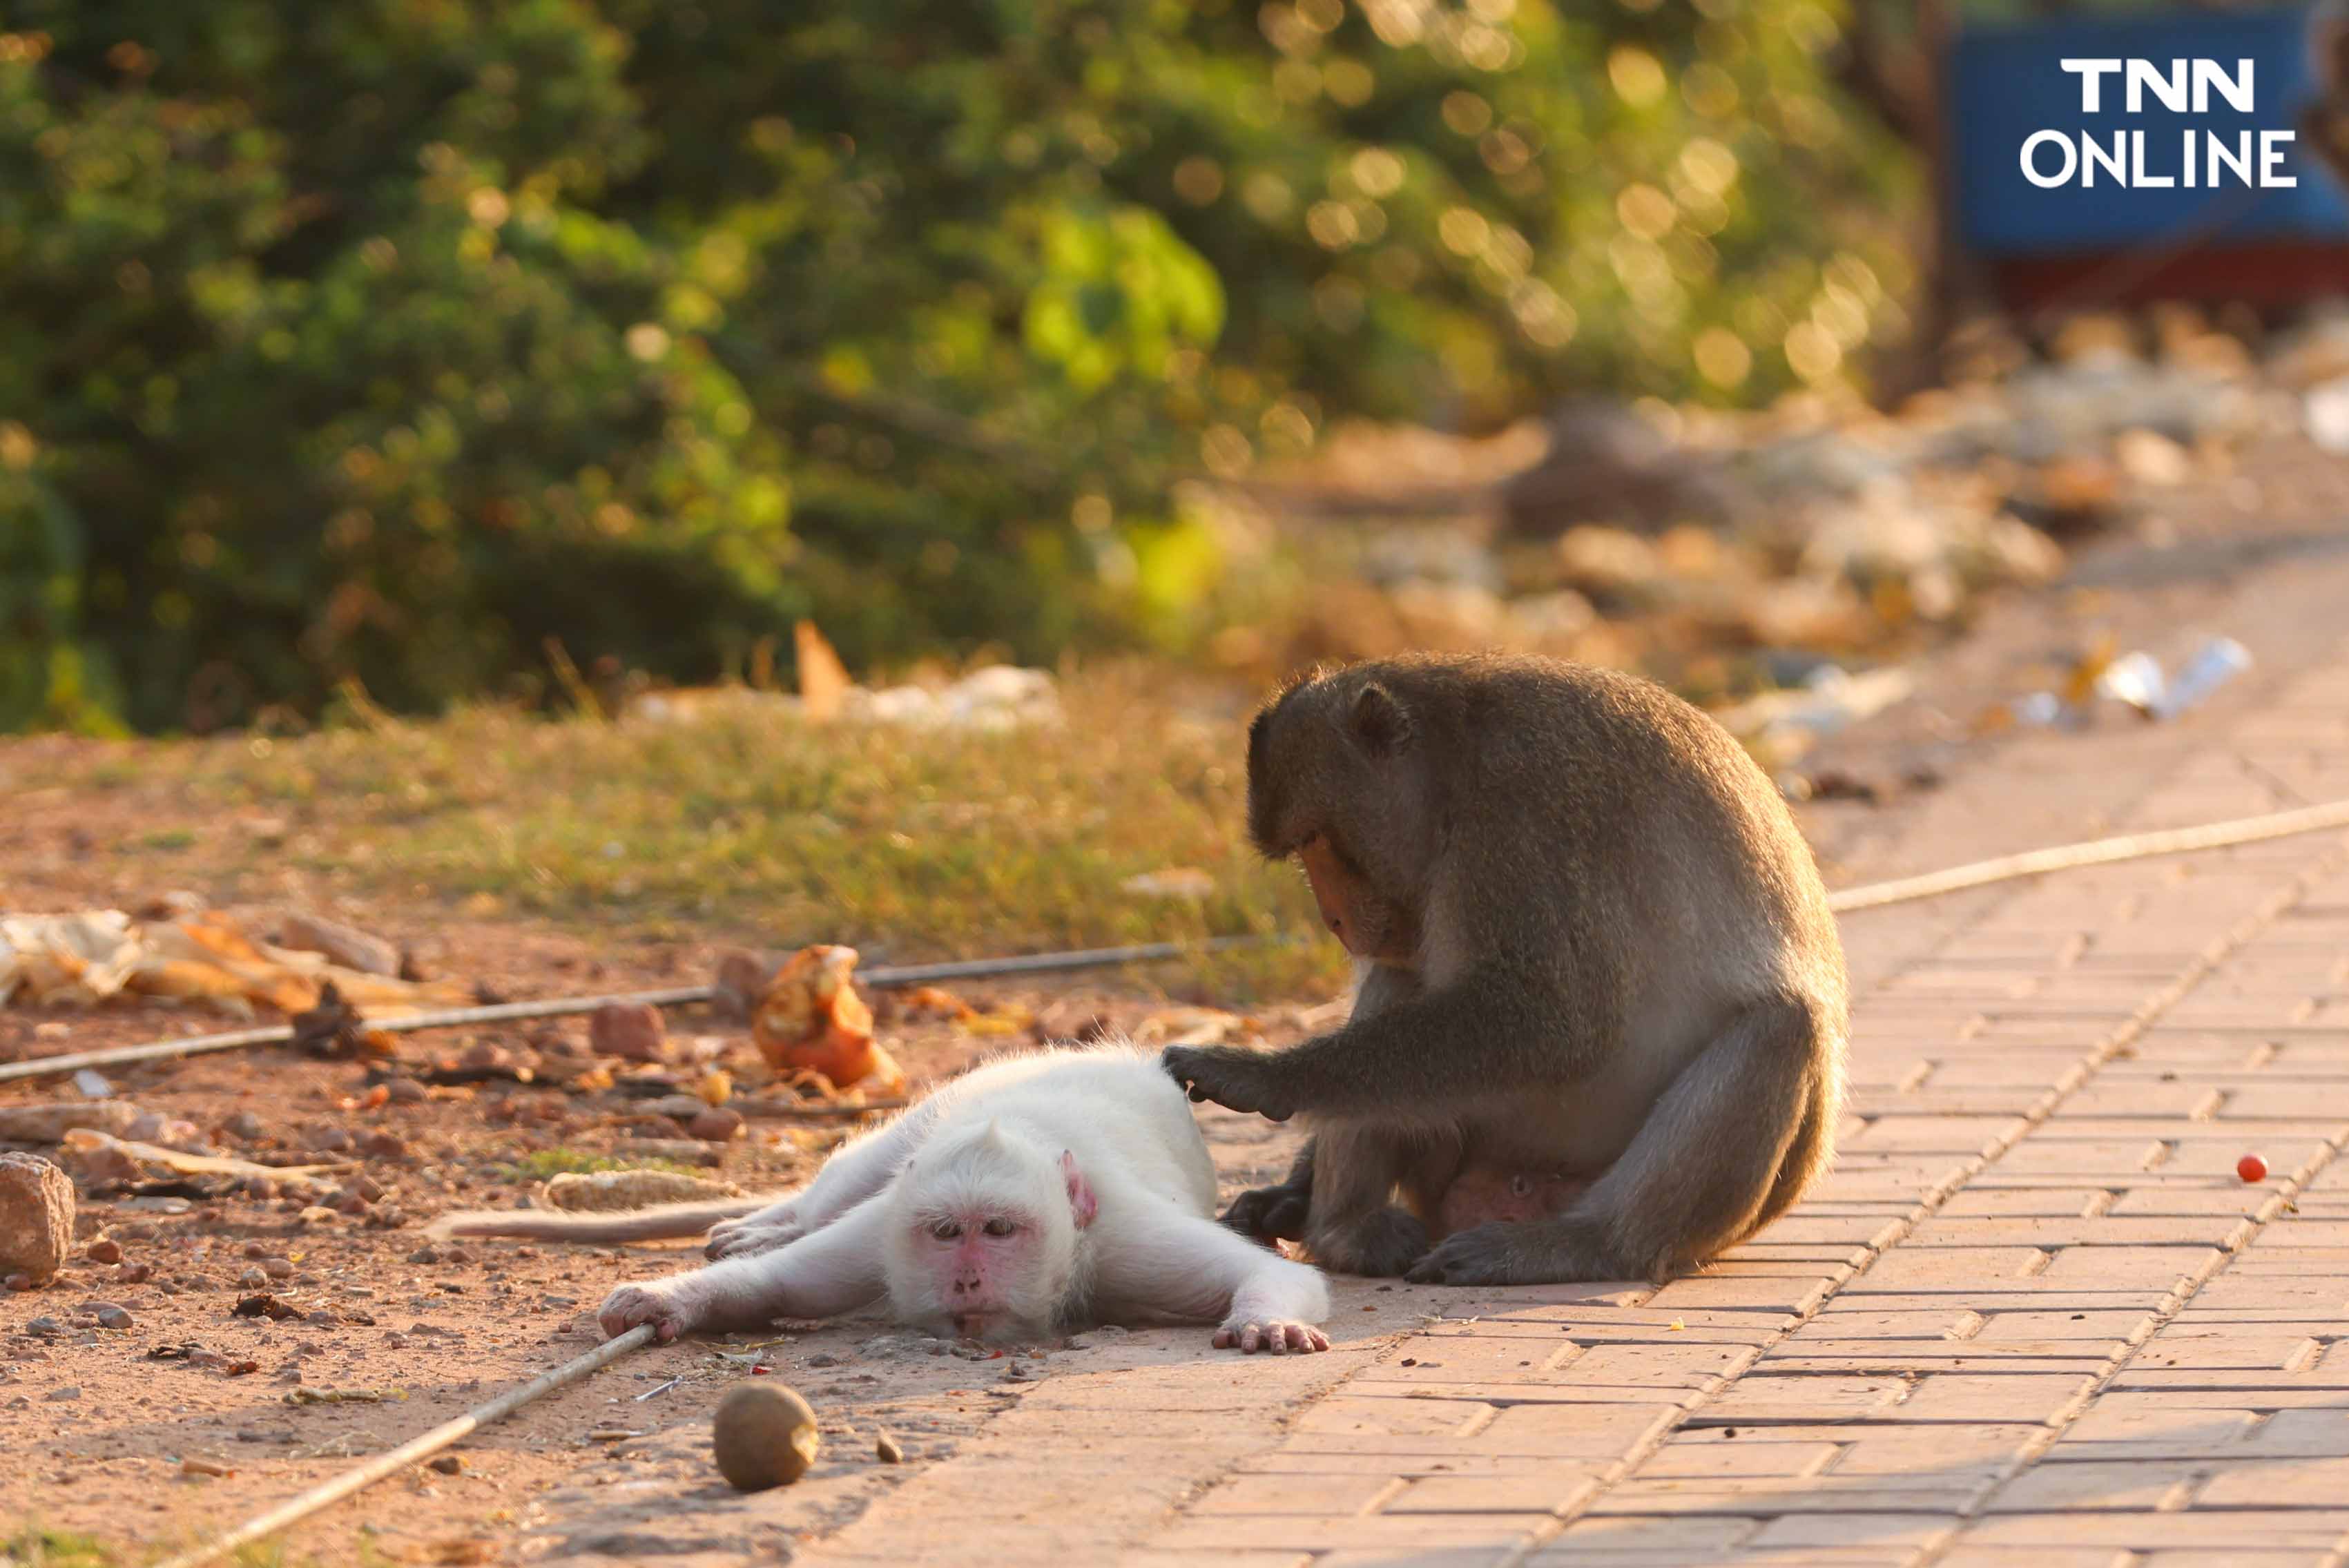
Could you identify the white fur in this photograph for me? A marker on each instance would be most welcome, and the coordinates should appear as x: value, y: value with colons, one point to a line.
x: 994, y: 1137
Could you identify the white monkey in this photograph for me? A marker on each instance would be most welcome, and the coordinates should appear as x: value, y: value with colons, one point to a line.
x: 1038, y: 1194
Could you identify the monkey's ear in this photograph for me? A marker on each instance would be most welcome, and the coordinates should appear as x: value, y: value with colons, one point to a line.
x: 1381, y: 725
x: 1082, y: 1204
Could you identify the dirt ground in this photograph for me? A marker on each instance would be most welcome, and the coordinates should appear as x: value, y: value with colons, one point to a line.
x: 102, y: 1421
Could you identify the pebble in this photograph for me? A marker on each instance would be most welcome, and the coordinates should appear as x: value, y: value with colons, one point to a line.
x: 716, y: 1125
x: 71, y: 1392
x: 252, y: 1279
x: 343, y: 944
x: 447, y: 1464
x: 631, y: 1030
x: 277, y: 1268
x: 37, y: 1216
x: 246, y: 1127
x: 886, y: 1450
x: 105, y: 1251
x: 47, y: 1328
x: 112, y: 1316
x: 381, y: 1145
x: 405, y: 1091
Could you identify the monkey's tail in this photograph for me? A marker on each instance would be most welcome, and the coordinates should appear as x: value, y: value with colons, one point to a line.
x: 665, y: 1222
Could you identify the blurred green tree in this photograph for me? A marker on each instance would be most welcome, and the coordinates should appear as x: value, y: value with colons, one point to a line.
x: 388, y: 340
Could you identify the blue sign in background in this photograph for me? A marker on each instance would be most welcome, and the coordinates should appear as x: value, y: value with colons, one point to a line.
x: 2007, y: 83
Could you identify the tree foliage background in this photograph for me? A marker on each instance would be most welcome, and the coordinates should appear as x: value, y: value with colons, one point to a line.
x: 387, y: 339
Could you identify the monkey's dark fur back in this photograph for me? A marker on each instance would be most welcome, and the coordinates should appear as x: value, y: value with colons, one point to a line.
x: 1600, y: 943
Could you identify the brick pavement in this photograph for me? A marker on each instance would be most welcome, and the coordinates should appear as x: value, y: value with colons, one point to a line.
x: 2031, y: 1318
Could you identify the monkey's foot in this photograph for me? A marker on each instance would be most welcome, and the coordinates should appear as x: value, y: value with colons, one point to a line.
x: 1530, y: 1252
x: 1379, y: 1245
x: 1270, y: 1214
x: 1234, y: 1079
x: 741, y: 1238
x: 668, y: 1309
x: 1274, y: 1336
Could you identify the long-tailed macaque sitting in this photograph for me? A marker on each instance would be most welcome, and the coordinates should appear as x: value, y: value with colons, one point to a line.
x: 1036, y: 1195
x: 1590, y: 940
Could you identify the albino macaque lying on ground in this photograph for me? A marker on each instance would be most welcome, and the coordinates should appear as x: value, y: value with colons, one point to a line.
x: 1033, y: 1195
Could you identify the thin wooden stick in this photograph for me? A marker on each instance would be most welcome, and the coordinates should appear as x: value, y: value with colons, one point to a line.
x: 430, y: 1443
x: 2095, y: 852
x: 1870, y: 895
x: 885, y: 978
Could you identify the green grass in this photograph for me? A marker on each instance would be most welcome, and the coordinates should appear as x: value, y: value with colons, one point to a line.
x: 745, y: 824
x: 546, y: 1164
x: 32, y: 1547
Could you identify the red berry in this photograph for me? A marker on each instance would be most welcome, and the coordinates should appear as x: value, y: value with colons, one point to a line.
x: 2251, y: 1168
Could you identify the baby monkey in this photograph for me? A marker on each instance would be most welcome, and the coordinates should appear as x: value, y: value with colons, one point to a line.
x: 1034, y: 1195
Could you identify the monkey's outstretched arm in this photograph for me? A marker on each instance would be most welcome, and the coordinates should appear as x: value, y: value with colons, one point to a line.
x: 834, y: 1270
x: 855, y: 1171
x: 1164, y: 1262
x: 1425, y: 1055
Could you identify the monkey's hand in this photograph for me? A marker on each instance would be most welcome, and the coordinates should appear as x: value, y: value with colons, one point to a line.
x: 752, y: 1233
x: 1274, y: 1335
x: 660, y: 1304
x: 1234, y: 1079
x: 1271, y: 1213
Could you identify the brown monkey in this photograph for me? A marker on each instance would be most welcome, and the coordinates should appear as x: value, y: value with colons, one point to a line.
x: 1589, y: 939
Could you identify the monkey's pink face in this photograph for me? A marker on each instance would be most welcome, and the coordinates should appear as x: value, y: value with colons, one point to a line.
x: 984, y: 1264
x: 1355, y: 913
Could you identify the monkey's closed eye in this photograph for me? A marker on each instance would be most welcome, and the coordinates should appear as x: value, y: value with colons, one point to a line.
x: 946, y: 1230
x: 1001, y: 1227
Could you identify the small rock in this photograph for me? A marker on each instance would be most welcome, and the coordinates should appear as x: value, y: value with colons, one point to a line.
x: 886, y: 1450
x: 246, y: 1127
x: 331, y: 1138
x: 18, y: 1282
x: 37, y: 1216
x: 426, y: 1254
x: 632, y: 1030
x: 343, y: 944
x: 134, y: 1274
x: 47, y: 1327
x: 405, y: 1091
x: 277, y: 1268
x: 103, y: 1251
x: 112, y: 1316
x: 381, y: 1145
x: 73, y: 1392
x: 447, y: 1464
x: 92, y: 1084
x: 716, y: 1125
x: 252, y: 1279
x: 742, y: 980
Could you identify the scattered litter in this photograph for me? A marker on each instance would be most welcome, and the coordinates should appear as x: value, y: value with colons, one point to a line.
x: 90, y: 956
x: 810, y: 1019
x: 83, y: 1140
x: 1783, y: 724
x: 93, y: 1084
x: 192, y: 1465
x: 2251, y: 1169
x: 2216, y: 662
x: 659, y: 1388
